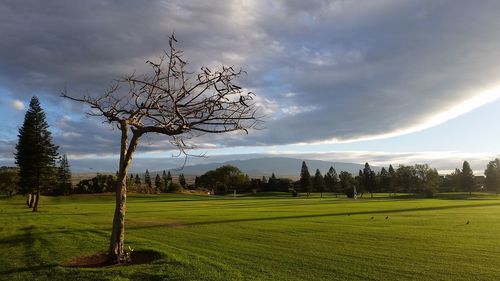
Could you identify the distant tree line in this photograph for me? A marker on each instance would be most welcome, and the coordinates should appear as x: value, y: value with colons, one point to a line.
x: 419, y: 179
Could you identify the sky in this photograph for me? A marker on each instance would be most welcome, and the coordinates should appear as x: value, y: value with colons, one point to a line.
x: 388, y: 82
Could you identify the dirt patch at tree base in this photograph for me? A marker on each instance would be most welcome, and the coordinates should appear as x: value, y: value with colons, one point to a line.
x: 103, y: 260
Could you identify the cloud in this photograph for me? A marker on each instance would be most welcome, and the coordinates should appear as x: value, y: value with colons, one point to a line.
x: 17, y: 105
x: 323, y: 70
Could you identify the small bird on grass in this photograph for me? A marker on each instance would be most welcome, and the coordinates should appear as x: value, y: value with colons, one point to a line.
x: 387, y: 217
x: 371, y: 218
x: 467, y: 222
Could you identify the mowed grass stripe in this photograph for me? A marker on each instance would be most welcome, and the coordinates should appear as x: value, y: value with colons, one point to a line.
x: 257, y: 238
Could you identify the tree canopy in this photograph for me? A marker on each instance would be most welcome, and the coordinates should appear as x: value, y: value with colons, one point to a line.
x: 36, y: 154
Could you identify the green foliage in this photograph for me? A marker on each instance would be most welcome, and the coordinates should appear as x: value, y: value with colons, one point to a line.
x: 331, y: 180
x: 35, y: 153
x: 319, y: 182
x: 455, y: 180
x: 492, y: 174
x: 393, y: 185
x: 137, y: 183
x: 147, y: 180
x: 166, y: 179
x: 224, y: 179
x: 384, y: 180
x: 182, y: 180
x: 97, y: 184
x: 173, y: 187
x: 419, y: 178
x: 406, y: 179
x: 306, y: 183
x: 158, y: 183
x: 272, y: 183
x: 467, y: 178
x: 64, y: 184
x: 368, y: 179
x: 427, y: 180
x: 347, y: 183
x: 9, y: 181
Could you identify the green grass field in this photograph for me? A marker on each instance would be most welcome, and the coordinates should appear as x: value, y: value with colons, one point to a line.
x: 273, y: 237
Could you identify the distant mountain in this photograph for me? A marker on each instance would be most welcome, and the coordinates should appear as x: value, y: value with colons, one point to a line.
x: 281, y: 166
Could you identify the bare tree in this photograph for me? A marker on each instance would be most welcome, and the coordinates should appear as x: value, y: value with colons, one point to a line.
x: 169, y: 101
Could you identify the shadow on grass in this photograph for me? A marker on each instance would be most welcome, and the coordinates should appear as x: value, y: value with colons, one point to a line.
x: 103, y: 260
x: 324, y: 215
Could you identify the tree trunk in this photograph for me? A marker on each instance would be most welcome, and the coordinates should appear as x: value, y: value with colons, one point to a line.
x: 117, y: 241
x: 32, y: 200
x: 37, y: 199
x: 116, y: 249
x: 28, y: 200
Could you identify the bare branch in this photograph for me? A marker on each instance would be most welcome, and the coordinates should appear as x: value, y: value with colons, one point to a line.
x: 166, y: 102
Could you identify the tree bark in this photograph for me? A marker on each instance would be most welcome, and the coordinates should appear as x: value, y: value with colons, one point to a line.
x: 28, y: 200
x: 117, y: 241
x: 32, y: 200
x: 37, y: 199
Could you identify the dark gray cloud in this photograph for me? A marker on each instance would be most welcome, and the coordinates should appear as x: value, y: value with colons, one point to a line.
x: 321, y: 69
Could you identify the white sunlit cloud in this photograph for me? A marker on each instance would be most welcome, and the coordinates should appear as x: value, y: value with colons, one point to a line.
x: 484, y: 98
x: 17, y: 105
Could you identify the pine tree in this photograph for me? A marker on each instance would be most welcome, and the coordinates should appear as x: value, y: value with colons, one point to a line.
x: 147, y: 181
x: 319, y: 182
x: 130, y: 181
x: 164, y: 182
x: 158, y: 183
x: 137, y: 182
x: 305, y: 179
x: 467, y: 178
x: 182, y: 180
x: 368, y: 179
x: 393, y: 187
x: 64, y: 176
x: 35, y: 154
x: 384, y: 180
x: 169, y: 176
x: 332, y: 180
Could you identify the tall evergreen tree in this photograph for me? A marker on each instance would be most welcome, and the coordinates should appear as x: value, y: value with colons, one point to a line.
x: 137, y: 182
x: 384, y: 180
x: 147, y: 181
x: 360, y: 179
x: 158, y: 183
x: 182, y: 180
x: 169, y: 176
x: 64, y: 176
x: 319, y: 182
x: 368, y: 179
x: 332, y: 180
x: 393, y: 187
x: 35, y: 154
x: 467, y: 178
x: 305, y: 179
x: 164, y: 179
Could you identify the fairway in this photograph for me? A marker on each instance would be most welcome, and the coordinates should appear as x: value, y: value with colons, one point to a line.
x: 273, y: 237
